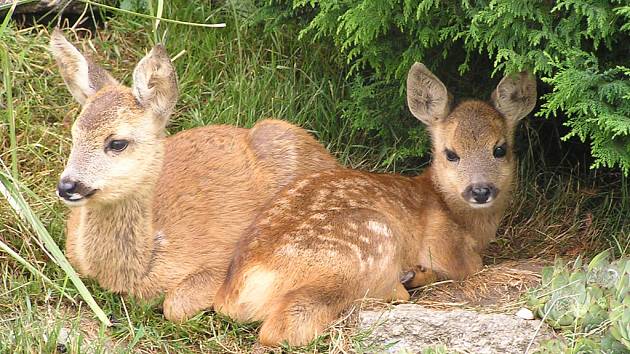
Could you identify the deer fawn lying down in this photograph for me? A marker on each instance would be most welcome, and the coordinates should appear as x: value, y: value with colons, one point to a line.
x: 334, y: 237
x: 155, y: 214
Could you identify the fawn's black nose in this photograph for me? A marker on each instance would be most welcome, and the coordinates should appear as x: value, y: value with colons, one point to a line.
x: 480, y: 193
x: 66, y: 188
x: 72, y: 191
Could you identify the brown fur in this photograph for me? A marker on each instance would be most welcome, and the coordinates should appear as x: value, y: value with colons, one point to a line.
x: 167, y: 213
x: 334, y: 237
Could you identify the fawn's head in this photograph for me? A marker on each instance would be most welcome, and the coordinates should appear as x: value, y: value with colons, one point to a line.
x: 117, y: 140
x: 473, y: 143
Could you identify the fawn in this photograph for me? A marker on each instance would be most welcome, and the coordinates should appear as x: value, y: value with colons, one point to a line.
x: 332, y: 238
x: 153, y: 214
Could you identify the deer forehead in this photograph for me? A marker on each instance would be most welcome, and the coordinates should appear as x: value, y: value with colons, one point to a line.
x: 473, y: 125
x: 113, y: 114
x: 109, y: 107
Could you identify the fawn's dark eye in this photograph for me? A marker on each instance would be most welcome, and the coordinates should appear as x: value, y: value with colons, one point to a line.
x: 117, y: 145
x: 500, y: 151
x: 451, y: 155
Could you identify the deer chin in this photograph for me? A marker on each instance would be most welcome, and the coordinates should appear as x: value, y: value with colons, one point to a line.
x: 76, y: 199
x: 476, y: 205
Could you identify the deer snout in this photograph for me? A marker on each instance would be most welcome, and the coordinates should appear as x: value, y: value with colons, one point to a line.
x: 73, y: 191
x: 66, y: 187
x: 480, y: 193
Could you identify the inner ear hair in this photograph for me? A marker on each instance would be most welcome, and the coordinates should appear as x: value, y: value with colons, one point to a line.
x: 155, y: 82
x: 427, y: 97
x: 82, y: 75
x: 515, y: 96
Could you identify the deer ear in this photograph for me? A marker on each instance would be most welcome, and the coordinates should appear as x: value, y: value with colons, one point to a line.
x: 81, y: 75
x: 427, y: 97
x: 515, y: 96
x: 155, y: 83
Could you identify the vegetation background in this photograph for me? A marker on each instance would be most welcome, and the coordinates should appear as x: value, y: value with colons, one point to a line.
x: 336, y: 68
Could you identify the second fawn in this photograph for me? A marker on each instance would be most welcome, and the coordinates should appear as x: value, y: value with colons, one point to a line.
x: 334, y: 237
x: 153, y: 214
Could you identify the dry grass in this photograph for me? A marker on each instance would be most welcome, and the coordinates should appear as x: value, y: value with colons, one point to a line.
x: 497, y: 288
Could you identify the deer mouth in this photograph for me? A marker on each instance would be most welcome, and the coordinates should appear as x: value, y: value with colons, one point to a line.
x: 75, y: 199
x: 477, y: 205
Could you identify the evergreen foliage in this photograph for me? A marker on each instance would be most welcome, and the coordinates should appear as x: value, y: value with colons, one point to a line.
x: 579, y: 48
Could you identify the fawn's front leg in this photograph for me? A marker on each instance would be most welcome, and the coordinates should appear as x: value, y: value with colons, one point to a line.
x: 193, y: 295
x: 418, y: 276
x: 399, y: 293
x: 452, y: 262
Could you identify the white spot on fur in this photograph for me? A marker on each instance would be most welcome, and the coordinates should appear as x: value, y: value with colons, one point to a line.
x: 160, y: 238
x: 288, y: 251
x: 323, y: 194
x: 299, y: 185
x: 361, y: 182
x: 339, y: 194
x: 354, y: 203
x: 331, y: 253
x: 356, y: 251
x: 304, y: 226
x: 257, y: 289
x: 264, y: 221
x: 379, y: 228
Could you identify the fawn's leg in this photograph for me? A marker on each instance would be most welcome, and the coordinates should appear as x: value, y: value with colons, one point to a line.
x: 399, y: 293
x: 451, y: 262
x: 302, y: 314
x: 420, y: 276
x: 194, y: 294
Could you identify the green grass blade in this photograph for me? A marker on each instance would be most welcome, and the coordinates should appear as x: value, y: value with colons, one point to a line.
x: 7, y: 17
x: 10, y: 113
x: 8, y: 87
x: 7, y: 249
x: 23, y: 210
x: 160, y: 10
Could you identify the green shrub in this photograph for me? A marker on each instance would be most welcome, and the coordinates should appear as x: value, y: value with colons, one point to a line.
x: 590, y: 304
x: 577, y: 47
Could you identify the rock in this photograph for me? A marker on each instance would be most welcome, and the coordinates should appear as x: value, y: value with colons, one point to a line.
x: 411, y: 328
x: 62, y: 337
x: 525, y: 314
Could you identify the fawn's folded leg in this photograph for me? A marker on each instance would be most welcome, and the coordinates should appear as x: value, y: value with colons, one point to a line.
x: 194, y: 294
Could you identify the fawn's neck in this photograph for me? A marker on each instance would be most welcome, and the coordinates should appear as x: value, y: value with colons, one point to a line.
x: 118, y: 242
x: 481, y: 223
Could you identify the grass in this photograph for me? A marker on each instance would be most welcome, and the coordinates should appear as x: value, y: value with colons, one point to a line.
x: 235, y: 75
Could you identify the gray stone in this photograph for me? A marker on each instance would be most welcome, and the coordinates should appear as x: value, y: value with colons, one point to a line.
x: 410, y: 327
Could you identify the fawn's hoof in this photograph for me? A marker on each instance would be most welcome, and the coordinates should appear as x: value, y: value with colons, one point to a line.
x: 177, y: 309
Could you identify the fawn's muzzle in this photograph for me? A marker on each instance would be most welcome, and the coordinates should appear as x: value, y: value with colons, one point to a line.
x: 480, y: 193
x: 73, y: 191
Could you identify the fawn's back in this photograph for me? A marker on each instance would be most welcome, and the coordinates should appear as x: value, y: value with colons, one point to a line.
x: 334, y: 237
